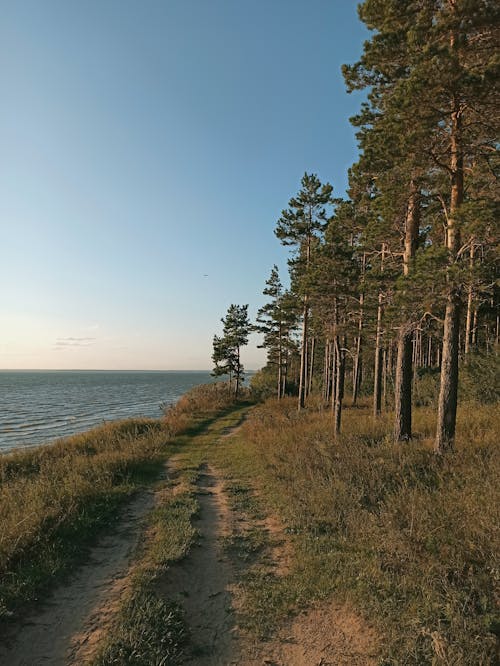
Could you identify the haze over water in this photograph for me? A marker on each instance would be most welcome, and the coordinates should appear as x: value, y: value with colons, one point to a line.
x: 39, y: 406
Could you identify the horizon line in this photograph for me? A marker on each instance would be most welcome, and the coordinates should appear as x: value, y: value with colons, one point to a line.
x: 109, y: 370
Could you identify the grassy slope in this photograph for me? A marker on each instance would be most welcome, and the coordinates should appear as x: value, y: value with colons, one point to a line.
x: 409, y: 539
x: 53, y: 499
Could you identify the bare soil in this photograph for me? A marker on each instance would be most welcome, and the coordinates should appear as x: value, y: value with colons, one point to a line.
x: 59, y: 633
x: 328, y: 635
x: 204, y: 583
x: 66, y: 630
x: 201, y: 581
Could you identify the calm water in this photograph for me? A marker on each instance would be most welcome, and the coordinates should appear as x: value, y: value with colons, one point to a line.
x: 36, y: 407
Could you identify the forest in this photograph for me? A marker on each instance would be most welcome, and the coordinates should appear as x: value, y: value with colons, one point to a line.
x: 394, y: 290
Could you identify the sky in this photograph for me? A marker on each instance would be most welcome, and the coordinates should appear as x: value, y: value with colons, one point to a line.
x: 148, y: 148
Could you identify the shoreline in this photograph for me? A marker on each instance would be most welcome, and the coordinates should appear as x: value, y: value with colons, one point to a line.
x: 43, y: 407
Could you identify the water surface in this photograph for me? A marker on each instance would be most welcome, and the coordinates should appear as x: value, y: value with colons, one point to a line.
x: 36, y: 407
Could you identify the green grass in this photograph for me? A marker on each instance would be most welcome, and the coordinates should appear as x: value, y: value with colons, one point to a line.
x: 409, y: 540
x: 149, y: 630
x: 54, y: 499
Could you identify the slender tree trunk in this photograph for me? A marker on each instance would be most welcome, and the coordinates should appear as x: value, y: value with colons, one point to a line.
x: 326, y: 372
x: 303, y: 357
x: 333, y: 371
x: 311, y: 365
x: 474, y: 329
x: 403, y: 380
x: 356, y: 373
x: 280, y: 361
x: 447, y: 405
x: 339, y: 386
x: 470, y: 301
x: 377, y: 375
x: 385, y: 361
x: 377, y: 372
x: 238, y: 371
x: 448, y: 390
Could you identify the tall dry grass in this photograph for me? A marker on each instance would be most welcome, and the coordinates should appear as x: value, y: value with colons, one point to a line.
x: 410, y: 538
x: 54, y: 497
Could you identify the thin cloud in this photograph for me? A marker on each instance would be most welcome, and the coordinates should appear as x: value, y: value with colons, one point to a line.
x: 63, y: 343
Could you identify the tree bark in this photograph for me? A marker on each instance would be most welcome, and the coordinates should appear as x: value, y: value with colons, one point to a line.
x: 377, y: 378
x: 333, y: 372
x: 326, y: 372
x: 303, y: 357
x: 280, y: 361
x: 402, y: 386
x: 339, y: 385
x: 403, y: 380
x: 311, y: 365
x: 470, y: 301
x: 356, y: 373
x: 448, y: 390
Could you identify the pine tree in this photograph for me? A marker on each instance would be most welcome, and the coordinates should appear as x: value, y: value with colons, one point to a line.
x: 432, y: 74
x: 226, y: 349
x: 276, y: 320
x: 299, y: 227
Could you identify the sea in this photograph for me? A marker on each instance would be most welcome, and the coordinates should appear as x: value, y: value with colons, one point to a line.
x: 37, y: 407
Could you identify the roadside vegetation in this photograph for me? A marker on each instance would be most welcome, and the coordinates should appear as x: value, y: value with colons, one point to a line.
x: 148, y: 628
x: 53, y: 499
x: 408, y: 539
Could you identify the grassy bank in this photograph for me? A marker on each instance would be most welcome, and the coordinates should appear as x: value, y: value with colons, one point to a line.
x: 148, y: 628
x: 408, y: 539
x: 53, y: 499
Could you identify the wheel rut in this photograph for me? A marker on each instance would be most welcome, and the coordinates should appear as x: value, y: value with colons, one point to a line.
x: 57, y: 633
x: 201, y: 582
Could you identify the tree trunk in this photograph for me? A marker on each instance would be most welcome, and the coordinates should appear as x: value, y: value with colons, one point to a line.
x: 303, y: 357
x: 403, y: 381
x: 238, y: 372
x: 447, y: 405
x: 402, y: 386
x: 356, y: 373
x: 280, y: 361
x: 377, y: 378
x: 470, y: 301
x: 339, y: 385
x: 448, y: 390
x: 326, y: 372
x: 311, y: 366
x: 377, y: 375
x: 333, y: 371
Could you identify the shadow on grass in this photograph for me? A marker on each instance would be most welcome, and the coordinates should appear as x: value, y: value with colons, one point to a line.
x: 203, y: 425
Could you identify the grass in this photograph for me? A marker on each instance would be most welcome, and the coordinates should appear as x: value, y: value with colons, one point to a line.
x: 54, y: 499
x: 149, y: 630
x: 409, y: 539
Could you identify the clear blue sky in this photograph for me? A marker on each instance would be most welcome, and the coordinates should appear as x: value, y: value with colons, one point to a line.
x: 148, y: 143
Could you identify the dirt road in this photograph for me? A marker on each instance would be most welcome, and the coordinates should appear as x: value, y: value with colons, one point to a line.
x: 68, y: 628
x: 55, y: 633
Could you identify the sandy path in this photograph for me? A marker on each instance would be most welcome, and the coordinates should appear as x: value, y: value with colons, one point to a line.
x: 201, y: 581
x: 204, y: 582
x: 59, y: 629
